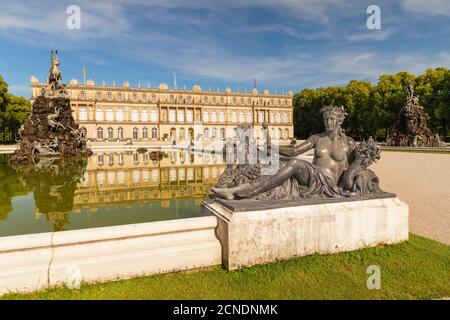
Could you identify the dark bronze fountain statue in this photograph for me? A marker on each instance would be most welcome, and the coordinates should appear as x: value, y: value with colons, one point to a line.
x: 411, y: 129
x: 51, y: 129
x: 339, y: 168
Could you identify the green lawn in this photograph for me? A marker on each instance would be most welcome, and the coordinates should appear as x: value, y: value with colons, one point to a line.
x: 418, y: 269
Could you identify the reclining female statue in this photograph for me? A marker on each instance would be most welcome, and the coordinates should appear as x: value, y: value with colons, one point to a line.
x: 324, y: 177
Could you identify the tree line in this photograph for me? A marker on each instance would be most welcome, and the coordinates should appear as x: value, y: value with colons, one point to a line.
x: 14, y: 111
x: 373, y: 108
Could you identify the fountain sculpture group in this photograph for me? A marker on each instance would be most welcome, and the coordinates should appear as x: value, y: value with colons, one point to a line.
x: 51, y: 130
x: 411, y: 129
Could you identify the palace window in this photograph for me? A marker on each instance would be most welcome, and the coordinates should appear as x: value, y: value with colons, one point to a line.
x: 109, y: 115
x: 249, y: 101
x: 98, y: 96
x: 172, y: 98
x: 135, y: 133
x: 213, y: 116
x: 190, y: 115
x: 189, y: 99
x: 134, y: 97
x: 145, y: 133
x: 285, y: 118
x: 214, y: 133
x: 154, y: 133
x: 135, y: 159
x: 234, y: 100
x: 272, y: 118
x: 83, y: 132
x: 111, y: 159
x: 221, y: 100
x: 180, y: 115
x: 101, y: 176
x: 154, y: 116
x: 260, y: 116
x: 121, y: 159
x: 120, y: 133
x: 278, y: 118
x: 110, y: 133
x: 154, y: 98
x: 82, y: 95
x: 144, y: 97
x: 182, y: 134
x: 144, y: 115
x: 100, y: 133
x: 206, y: 99
x: 242, y: 100
x: 109, y: 96
x: 134, y: 115
x: 286, y: 133
x: 233, y: 117
x: 205, y: 116
x: 119, y: 115
x: 180, y: 99
x: 172, y: 115
x: 222, y: 117
x: 241, y: 117
x: 173, y: 133
x: 222, y: 133
x: 99, y: 114
x: 206, y: 133
x: 214, y: 100
x: 250, y: 117
x: 83, y: 114
x: 119, y: 96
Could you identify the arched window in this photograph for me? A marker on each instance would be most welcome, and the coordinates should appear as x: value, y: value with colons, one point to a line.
x: 154, y: 98
x: 182, y: 134
x: 222, y: 117
x: 144, y: 115
x: 214, y: 133
x: 154, y: 133
x: 134, y: 115
x: 241, y: 117
x: 144, y: 97
x: 206, y: 133
x: 278, y: 118
x: 119, y: 115
x: 100, y: 133
x: 280, y: 134
x: 145, y: 133
x: 109, y: 96
x: 135, y: 133
x: 285, y: 118
x: 99, y: 114
x: 190, y: 115
x: 233, y: 117
x: 154, y: 116
x: 111, y: 159
x: 272, y: 118
x: 83, y: 114
x: 286, y: 133
x: 213, y: 117
x: 205, y: 116
x: 173, y: 133
x: 110, y: 133
x: 109, y: 115
x: 222, y: 133
x: 120, y: 133
x: 134, y: 97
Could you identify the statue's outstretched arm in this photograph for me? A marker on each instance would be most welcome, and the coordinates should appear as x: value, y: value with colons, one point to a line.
x: 292, y: 152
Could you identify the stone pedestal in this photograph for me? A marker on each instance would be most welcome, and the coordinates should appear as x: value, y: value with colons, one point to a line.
x: 260, y: 231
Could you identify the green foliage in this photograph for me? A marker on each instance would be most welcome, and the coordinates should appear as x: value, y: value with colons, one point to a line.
x: 14, y: 111
x: 372, y: 109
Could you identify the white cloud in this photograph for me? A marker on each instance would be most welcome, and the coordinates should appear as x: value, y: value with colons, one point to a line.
x: 432, y: 7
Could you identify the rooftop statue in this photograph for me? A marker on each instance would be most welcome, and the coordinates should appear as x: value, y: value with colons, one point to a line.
x: 338, y: 169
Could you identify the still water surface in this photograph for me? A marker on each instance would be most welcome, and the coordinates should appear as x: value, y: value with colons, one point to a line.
x: 104, y: 190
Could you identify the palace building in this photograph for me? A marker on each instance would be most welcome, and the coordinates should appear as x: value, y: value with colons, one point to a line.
x: 114, y: 114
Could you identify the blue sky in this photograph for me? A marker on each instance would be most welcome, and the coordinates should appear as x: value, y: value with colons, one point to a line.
x: 284, y: 44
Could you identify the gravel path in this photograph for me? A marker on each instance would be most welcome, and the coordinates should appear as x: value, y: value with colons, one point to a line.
x: 422, y: 180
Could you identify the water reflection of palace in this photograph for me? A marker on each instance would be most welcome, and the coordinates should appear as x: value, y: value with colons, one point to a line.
x: 116, y: 179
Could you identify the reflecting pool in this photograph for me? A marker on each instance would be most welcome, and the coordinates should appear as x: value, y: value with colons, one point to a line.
x: 107, y: 189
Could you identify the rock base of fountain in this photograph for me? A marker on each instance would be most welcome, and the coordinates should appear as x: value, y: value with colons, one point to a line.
x: 50, y: 131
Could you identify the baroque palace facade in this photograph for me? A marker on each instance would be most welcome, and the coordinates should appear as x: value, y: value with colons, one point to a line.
x: 110, y: 113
